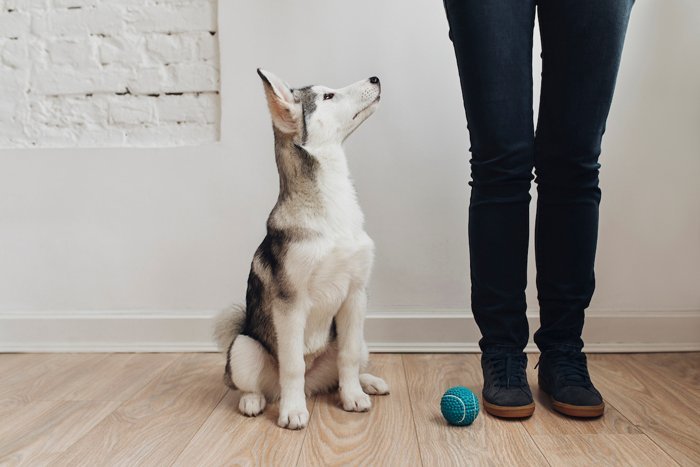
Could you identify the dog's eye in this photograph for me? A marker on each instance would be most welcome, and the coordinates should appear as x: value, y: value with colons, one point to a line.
x: 328, y: 95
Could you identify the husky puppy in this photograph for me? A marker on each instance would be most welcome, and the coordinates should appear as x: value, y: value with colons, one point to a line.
x: 301, y: 331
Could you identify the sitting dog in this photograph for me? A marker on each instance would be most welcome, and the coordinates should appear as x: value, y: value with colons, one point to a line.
x: 301, y: 331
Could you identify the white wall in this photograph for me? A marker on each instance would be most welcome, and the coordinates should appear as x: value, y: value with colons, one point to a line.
x: 174, y: 229
x: 108, y: 73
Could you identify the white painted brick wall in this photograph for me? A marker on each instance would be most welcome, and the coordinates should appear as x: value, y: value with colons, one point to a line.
x: 108, y: 73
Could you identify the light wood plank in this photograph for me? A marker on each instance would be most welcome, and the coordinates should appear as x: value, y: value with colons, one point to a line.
x: 662, y: 409
x: 10, y: 363
x: 681, y: 368
x: 154, y: 426
x: 35, y: 433
x: 337, y: 437
x: 74, y: 377
x: 488, y: 441
x: 52, y: 412
x: 116, y: 378
x: 42, y: 376
x: 230, y: 438
x: 602, y: 450
x: 19, y: 371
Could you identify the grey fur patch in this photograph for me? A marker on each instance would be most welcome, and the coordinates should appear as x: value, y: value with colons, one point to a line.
x: 271, y: 287
x: 228, y: 327
x: 228, y: 381
x: 297, y: 170
x: 307, y: 97
x: 258, y: 323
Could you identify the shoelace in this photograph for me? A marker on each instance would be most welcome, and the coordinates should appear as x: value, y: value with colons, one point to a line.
x: 569, y: 367
x: 509, y: 369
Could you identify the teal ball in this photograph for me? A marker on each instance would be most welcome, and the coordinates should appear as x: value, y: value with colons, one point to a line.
x: 459, y: 406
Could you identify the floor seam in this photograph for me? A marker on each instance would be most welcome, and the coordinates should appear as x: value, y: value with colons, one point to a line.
x: 642, y: 431
x: 119, y: 406
x: 660, y: 447
x: 306, y: 430
x: 539, y: 448
x: 194, y: 434
x: 410, y: 404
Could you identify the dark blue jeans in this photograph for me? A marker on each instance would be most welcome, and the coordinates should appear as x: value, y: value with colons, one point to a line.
x: 581, y: 47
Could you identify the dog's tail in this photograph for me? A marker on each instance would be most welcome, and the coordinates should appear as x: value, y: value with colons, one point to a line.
x: 228, y: 325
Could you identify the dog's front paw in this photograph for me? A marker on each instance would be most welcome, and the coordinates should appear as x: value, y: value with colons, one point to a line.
x: 251, y: 404
x: 373, y: 385
x: 355, y: 400
x: 293, y: 419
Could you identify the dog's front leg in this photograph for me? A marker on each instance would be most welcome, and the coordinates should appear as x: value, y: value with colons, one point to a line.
x: 352, y: 351
x: 290, y: 324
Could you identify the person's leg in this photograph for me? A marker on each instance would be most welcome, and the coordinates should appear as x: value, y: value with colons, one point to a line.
x: 581, y: 48
x: 493, y: 45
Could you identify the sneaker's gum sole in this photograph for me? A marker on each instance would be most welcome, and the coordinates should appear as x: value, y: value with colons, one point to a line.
x: 502, y: 411
x: 580, y: 411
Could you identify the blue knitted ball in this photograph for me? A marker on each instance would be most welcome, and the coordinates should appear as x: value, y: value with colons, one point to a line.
x: 459, y: 406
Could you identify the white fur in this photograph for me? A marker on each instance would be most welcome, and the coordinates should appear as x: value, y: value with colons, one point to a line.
x: 329, y: 273
x: 337, y: 118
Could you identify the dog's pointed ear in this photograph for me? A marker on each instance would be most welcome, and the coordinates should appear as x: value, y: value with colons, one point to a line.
x: 284, y: 108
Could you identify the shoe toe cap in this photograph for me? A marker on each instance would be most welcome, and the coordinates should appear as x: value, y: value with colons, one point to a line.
x: 512, y: 397
x: 577, y: 395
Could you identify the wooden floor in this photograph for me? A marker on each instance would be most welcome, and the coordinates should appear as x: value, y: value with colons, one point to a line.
x: 173, y: 409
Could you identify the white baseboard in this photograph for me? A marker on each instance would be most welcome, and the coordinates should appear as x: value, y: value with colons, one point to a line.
x: 385, y: 331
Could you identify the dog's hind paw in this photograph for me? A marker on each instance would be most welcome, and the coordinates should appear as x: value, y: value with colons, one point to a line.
x: 373, y: 385
x: 251, y: 404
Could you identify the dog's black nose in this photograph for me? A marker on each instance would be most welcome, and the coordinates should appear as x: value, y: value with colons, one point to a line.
x: 374, y: 80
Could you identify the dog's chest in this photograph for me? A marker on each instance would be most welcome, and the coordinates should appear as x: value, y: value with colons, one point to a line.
x: 345, y: 268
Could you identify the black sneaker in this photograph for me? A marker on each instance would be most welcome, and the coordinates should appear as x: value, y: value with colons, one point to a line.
x: 506, y: 392
x: 563, y: 375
